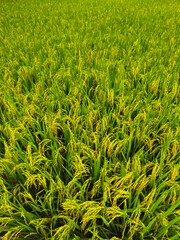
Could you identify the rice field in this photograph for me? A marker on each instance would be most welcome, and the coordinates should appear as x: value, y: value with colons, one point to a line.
x: 89, y: 119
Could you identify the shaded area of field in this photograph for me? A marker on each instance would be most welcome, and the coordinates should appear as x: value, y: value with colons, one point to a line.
x: 89, y: 119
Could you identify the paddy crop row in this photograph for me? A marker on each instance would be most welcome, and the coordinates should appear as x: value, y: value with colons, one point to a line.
x: 89, y: 119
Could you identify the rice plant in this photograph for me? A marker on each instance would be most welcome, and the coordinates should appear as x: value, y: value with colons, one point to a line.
x: 89, y: 119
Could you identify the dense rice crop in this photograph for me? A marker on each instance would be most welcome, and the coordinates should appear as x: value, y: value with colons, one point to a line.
x: 89, y: 119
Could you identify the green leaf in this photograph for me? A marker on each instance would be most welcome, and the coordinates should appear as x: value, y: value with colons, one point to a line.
x: 163, y: 229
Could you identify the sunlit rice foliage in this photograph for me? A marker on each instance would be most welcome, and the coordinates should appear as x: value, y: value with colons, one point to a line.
x: 89, y: 119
